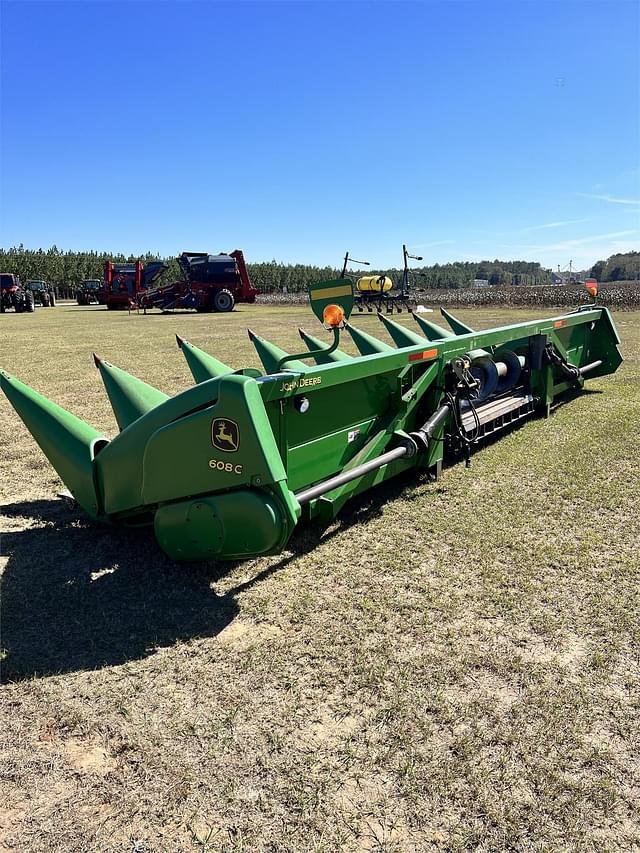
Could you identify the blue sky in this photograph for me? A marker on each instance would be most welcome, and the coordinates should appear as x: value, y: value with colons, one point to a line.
x: 297, y: 130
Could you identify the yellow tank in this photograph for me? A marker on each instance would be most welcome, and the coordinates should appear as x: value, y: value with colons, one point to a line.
x: 374, y: 284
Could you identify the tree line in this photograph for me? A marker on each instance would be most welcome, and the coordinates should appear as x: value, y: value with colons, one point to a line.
x: 65, y: 269
x: 621, y: 267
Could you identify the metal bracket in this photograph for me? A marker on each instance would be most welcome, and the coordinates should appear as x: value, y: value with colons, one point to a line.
x: 568, y: 370
x: 312, y: 353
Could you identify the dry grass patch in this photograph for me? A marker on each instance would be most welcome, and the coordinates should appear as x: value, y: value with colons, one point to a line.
x: 449, y: 666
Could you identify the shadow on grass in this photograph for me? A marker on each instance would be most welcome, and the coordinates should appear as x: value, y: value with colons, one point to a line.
x: 573, y: 394
x: 78, y: 596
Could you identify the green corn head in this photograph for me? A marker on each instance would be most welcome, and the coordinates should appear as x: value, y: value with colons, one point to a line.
x: 227, y: 468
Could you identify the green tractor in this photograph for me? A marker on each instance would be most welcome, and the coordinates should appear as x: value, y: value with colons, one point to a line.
x: 43, y: 293
x: 14, y: 295
x: 87, y: 292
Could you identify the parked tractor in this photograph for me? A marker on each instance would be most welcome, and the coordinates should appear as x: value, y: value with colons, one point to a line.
x: 43, y: 293
x: 125, y: 284
x: 14, y: 295
x: 210, y: 283
x: 88, y: 290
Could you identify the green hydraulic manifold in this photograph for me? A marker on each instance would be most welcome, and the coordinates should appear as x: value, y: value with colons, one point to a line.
x: 227, y: 468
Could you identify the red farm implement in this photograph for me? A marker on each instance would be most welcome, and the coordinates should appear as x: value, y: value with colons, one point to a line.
x: 125, y: 284
x: 209, y: 283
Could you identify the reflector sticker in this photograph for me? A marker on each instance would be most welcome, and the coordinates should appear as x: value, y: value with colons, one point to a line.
x: 331, y: 292
x: 559, y: 323
x: 425, y: 354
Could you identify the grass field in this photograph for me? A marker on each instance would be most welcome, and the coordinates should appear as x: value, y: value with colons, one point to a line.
x: 450, y: 666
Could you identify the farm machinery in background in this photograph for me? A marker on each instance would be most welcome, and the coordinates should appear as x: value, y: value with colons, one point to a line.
x: 210, y: 283
x: 261, y: 452
x: 90, y: 291
x: 376, y: 291
x: 124, y: 284
x: 43, y: 293
x: 14, y: 295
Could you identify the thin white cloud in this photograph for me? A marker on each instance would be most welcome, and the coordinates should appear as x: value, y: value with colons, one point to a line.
x: 583, y: 251
x: 611, y: 199
x: 559, y: 224
x: 567, y: 245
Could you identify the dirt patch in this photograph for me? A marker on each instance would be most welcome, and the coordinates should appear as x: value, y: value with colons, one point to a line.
x: 242, y: 634
x: 87, y: 757
x: 326, y: 727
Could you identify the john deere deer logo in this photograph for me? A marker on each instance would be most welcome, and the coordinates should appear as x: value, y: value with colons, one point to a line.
x: 225, y: 434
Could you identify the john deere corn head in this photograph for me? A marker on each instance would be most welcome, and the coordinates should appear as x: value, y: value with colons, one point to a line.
x: 227, y: 468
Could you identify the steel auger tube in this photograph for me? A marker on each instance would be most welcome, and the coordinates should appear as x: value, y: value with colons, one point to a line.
x: 591, y: 366
x: 408, y: 449
x: 347, y: 476
x: 426, y: 431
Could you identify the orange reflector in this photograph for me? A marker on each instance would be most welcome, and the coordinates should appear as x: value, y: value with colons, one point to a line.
x: 559, y: 323
x: 592, y: 289
x: 333, y: 315
x: 420, y: 356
